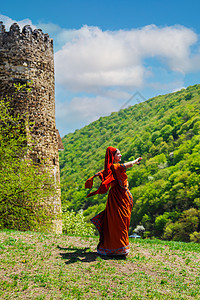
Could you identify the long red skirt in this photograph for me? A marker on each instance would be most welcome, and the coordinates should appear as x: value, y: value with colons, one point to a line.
x: 113, y: 223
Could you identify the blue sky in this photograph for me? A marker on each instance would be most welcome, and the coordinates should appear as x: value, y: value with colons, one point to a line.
x: 106, y: 51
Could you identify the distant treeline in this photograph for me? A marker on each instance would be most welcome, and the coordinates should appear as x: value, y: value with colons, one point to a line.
x: 165, y: 131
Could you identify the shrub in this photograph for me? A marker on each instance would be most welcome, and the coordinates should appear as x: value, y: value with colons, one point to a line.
x: 24, y: 186
x: 75, y: 224
x: 184, y: 227
x: 160, y: 222
x: 195, y: 237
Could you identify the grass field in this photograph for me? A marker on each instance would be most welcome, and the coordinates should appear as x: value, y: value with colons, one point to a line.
x: 47, y: 266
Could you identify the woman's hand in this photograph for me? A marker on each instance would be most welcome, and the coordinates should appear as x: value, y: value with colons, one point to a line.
x: 137, y: 161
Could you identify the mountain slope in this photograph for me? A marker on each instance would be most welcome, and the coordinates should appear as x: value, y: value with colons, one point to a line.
x: 165, y: 131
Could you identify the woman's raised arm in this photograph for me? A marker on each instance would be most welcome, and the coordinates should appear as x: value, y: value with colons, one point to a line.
x: 133, y: 162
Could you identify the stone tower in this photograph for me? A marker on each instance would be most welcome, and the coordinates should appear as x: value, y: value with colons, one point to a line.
x: 26, y: 56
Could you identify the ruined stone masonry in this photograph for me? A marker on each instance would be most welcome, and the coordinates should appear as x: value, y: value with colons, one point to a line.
x: 27, y: 56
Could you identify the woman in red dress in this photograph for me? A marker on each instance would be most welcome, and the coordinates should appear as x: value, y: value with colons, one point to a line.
x: 113, y: 223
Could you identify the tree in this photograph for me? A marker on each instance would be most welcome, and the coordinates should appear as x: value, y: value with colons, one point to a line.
x: 24, y: 185
x: 183, y: 229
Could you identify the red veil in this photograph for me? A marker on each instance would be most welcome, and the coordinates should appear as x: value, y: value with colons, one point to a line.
x: 105, y: 175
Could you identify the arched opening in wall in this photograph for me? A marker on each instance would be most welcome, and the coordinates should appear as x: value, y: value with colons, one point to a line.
x: 54, y: 161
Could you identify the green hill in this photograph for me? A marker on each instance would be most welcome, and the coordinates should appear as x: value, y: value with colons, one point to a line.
x: 165, y: 131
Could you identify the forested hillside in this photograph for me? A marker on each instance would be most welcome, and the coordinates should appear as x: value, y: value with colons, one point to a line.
x: 165, y: 131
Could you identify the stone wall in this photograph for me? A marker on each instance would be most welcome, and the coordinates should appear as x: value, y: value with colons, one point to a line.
x: 27, y: 56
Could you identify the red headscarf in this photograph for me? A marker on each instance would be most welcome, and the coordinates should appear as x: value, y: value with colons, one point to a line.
x: 105, y: 175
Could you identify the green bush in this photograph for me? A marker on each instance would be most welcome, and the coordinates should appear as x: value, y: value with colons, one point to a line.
x: 182, y: 229
x: 24, y: 186
x: 75, y: 224
x: 195, y: 237
x: 160, y: 222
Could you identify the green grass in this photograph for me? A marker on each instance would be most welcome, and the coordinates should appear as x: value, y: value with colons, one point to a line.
x: 48, y: 266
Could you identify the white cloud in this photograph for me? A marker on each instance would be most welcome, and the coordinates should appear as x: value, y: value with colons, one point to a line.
x: 91, y: 58
x: 82, y: 110
x: 179, y: 89
x: 50, y: 28
x: 8, y: 22
x: 107, y: 67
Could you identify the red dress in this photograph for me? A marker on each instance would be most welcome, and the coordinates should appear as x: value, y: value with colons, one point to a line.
x: 113, y: 223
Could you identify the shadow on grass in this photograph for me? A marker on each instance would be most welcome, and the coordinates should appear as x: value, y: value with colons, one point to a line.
x: 78, y: 254
x: 74, y: 255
